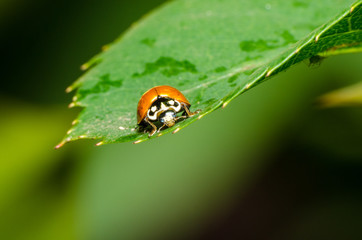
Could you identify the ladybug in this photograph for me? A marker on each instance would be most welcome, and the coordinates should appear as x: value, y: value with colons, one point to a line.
x: 162, y: 106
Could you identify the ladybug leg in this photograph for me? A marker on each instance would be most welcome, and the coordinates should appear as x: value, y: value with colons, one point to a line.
x: 189, y: 114
x: 161, y: 127
x: 153, y: 126
x: 176, y: 119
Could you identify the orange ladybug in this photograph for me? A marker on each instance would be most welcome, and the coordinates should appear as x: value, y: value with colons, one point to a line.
x: 159, y: 107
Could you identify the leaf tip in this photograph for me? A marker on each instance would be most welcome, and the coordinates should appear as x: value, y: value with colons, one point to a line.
x: 61, y: 144
x: 225, y: 104
x: 138, y: 141
x: 64, y: 141
x: 316, y: 38
x: 69, y: 89
x: 105, y: 47
x: 71, y: 105
x: 176, y: 130
x: 267, y: 75
x: 84, y: 66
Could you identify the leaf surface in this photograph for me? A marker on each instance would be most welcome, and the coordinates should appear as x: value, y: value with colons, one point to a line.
x: 211, y: 50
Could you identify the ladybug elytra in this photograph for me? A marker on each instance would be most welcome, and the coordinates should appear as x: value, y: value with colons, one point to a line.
x: 160, y: 107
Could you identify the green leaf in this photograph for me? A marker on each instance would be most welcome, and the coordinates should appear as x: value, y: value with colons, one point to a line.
x: 211, y: 50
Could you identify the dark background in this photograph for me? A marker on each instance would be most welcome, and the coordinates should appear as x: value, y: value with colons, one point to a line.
x: 272, y: 165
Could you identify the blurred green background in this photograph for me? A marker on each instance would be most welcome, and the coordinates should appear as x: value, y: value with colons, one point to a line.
x: 272, y: 165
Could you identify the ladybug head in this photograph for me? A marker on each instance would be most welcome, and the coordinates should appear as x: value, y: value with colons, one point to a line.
x: 168, y: 118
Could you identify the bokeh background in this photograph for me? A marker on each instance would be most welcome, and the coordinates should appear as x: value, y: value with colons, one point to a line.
x: 272, y: 165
